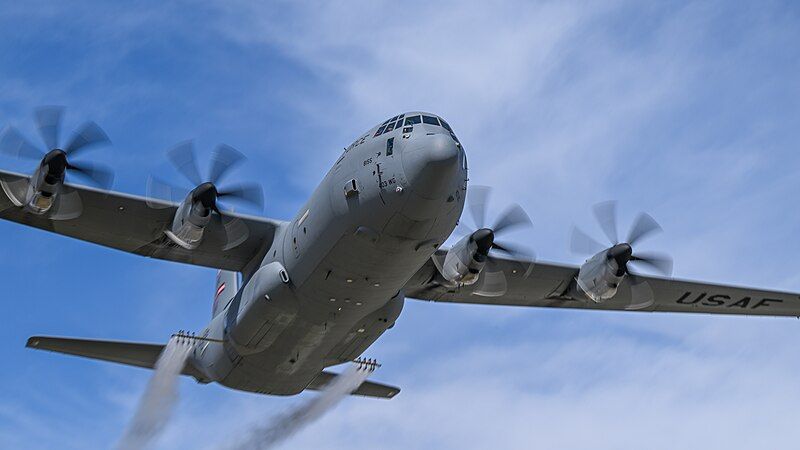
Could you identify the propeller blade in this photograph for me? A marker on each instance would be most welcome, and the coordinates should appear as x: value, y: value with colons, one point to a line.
x: 158, y: 191
x: 523, y: 256
x: 247, y: 192
x: 234, y: 229
x: 98, y: 175
x: 513, y: 217
x: 223, y: 159
x: 583, y: 244
x: 659, y: 262
x: 641, y: 294
x: 493, y: 282
x: 16, y: 191
x: 89, y: 135
x: 606, y: 215
x: 643, y: 226
x: 13, y: 143
x: 438, y: 261
x: 48, y: 121
x: 68, y: 205
x: 478, y: 196
x: 183, y: 158
x: 514, y: 250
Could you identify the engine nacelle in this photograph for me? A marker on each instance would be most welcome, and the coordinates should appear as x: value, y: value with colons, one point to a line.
x: 599, y: 277
x: 189, y: 223
x: 38, y: 196
x: 261, y: 311
x: 463, y: 263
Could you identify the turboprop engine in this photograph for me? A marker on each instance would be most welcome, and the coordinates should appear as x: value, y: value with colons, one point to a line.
x: 200, y: 206
x: 470, y: 257
x: 601, y: 275
x: 464, y: 262
x: 45, y: 192
x: 193, y: 215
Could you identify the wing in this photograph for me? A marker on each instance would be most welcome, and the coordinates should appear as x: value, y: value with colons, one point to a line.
x: 549, y: 285
x: 125, y: 222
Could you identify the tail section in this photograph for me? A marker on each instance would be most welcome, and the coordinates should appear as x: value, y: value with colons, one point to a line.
x: 145, y: 355
x: 226, y: 288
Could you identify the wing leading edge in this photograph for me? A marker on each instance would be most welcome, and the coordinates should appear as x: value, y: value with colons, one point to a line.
x: 125, y: 222
x: 548, y: 285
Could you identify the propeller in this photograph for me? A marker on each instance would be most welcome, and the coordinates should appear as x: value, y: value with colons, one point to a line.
x: 485, y: 237
x: 207, y: 191
x: 55, y: 159
x: 623, y: 252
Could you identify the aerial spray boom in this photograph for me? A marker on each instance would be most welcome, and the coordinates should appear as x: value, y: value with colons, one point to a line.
x: 186, y: 337
x: 366, y: 364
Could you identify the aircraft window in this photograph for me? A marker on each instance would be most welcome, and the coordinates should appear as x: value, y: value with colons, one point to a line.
x: 393, y: 119
x: 380, y: 130
x: 390, y: 127
x: 401, y: 116
x: 430, y: 120
x: 412, y: 120
x: 389, y: 146
x: 408, y: 129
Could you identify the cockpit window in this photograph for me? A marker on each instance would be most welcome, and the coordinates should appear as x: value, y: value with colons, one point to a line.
x: 430, y: 120
x: 397, y: 122
x: 412, y: 120
x: 453, y: 135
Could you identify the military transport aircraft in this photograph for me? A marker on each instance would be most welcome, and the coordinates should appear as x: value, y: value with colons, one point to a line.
x: 296, y: 297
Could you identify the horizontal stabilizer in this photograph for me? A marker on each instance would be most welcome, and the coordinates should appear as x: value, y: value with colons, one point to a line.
x: 130, y: 353
x: 367, y: 389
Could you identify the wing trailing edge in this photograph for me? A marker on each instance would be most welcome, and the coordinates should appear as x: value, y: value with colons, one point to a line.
x: 367, y: 388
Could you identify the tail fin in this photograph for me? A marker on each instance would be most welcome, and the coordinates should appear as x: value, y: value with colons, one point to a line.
x: 226, y: 288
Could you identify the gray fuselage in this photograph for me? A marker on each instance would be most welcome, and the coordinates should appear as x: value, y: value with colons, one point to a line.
x: 332, y: 282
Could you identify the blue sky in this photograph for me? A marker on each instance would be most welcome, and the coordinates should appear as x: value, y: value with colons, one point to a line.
x: 688, y: 110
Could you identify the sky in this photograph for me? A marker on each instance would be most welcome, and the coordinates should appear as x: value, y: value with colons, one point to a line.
x: 686, y: 110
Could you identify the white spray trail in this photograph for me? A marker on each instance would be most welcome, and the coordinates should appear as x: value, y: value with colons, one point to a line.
x: 158, y: 400
x: 288, y: 424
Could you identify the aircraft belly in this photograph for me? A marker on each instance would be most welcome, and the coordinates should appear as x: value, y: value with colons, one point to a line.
x: 304, y: 349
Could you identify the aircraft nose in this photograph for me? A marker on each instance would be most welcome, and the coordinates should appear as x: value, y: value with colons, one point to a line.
x: 430, y: 163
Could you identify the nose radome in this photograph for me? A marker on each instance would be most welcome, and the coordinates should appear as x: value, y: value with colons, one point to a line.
x: 441, y: 149
x: 430, y: 163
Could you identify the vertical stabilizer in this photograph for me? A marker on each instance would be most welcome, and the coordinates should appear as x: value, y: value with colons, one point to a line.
x: 226, y: 287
